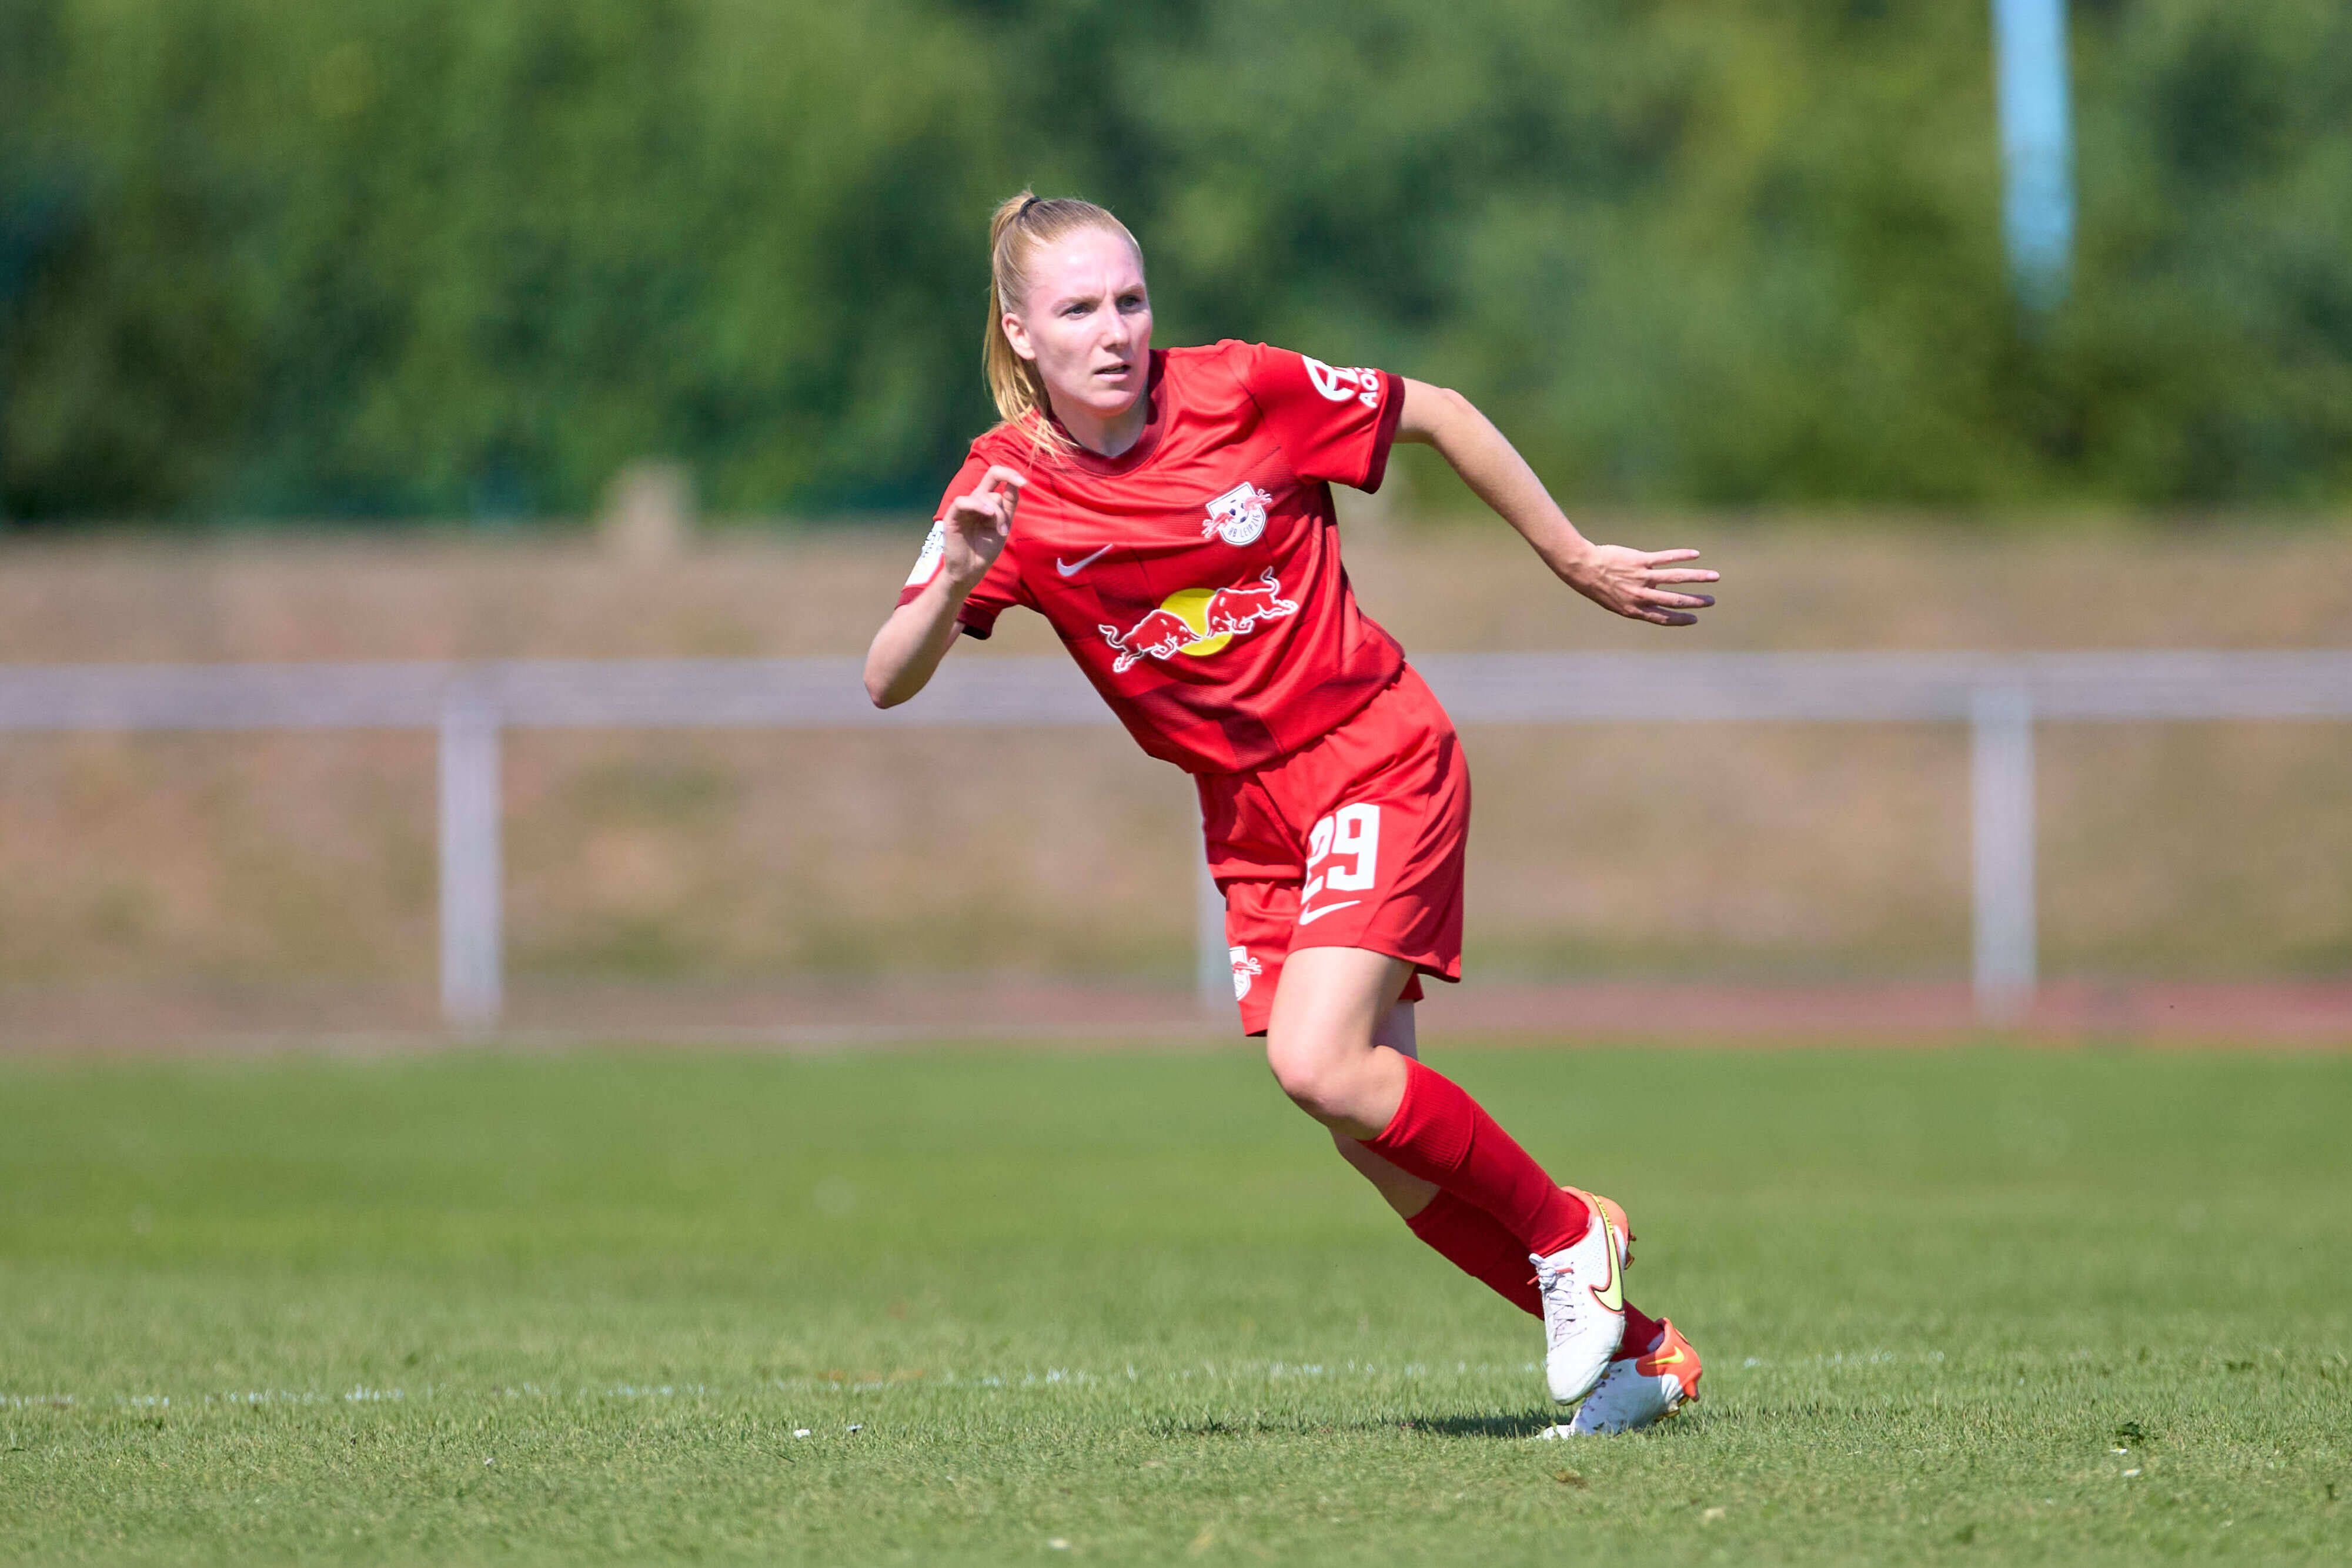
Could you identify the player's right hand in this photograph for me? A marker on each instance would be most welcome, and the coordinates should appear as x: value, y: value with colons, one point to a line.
x: 975, y: 528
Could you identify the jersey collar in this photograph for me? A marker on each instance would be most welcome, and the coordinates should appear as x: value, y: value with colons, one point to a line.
x: 1136, y: 456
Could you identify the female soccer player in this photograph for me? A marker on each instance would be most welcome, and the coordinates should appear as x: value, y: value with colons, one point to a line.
x: 1176, y: 530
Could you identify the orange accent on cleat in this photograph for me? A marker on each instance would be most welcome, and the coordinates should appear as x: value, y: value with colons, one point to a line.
x: 1640, y: 1390
x: 1616, y: 1213
x: 1673, y: 1356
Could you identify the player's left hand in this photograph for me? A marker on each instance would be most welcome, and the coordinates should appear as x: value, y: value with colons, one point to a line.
x: 1640, y: 584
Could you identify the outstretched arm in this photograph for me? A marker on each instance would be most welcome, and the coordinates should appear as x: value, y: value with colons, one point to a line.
x: 974, y: 530
x: 1636, y: 583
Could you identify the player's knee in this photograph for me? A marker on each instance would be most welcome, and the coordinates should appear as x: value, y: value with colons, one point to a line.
x: 1318, y: 1079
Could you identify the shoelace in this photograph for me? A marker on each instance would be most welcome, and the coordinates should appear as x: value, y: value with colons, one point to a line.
x: 1561, y: 1313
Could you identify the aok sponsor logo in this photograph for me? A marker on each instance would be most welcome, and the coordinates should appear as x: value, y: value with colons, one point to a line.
x: 1198, y: 621
x: 1359, y: 382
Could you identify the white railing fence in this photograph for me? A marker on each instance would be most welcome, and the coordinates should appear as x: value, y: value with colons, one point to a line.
x: 1999, y: 697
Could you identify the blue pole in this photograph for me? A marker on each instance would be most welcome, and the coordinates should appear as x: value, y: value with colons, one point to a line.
x: 2037, y: 149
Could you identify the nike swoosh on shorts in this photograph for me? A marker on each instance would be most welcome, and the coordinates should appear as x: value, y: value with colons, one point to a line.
x: 1082, y: 563
x: 1309, y: 916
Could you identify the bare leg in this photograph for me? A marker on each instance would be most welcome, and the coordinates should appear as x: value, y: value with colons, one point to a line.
x: 1337, y: 1043
x: 1407, y: 1194
x: 1321, y: 1042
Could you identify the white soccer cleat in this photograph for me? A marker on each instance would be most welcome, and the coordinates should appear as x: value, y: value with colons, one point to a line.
x: 1583, y: 1293
x: 1640, y: 1390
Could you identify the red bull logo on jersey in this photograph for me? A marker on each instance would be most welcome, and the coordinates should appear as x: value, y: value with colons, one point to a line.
x: 1199, y: 621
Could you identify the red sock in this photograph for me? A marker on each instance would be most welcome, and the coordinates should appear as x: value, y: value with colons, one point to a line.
x: 1474, y: 1242
x: 1641, y: 1331
x: 1440, y: 1135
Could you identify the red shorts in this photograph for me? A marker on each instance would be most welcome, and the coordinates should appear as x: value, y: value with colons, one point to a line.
x: 1355, y: 840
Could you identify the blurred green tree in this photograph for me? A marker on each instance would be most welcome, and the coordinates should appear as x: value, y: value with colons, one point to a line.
x: 416, y: 257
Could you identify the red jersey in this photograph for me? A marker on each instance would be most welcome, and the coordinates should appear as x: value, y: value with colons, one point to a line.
x: 1196, y: 577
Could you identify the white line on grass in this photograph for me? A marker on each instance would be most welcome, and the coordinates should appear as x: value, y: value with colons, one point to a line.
x: 1059, y: 1378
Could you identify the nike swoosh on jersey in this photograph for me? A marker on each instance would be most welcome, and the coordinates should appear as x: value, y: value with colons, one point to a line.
x: 1081, y: 564
x: 1610, y: 1294
x: 1309, y: 916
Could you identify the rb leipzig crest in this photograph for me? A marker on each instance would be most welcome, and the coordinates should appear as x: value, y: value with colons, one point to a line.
x: 1246, y: 969
x: 1238, y: 516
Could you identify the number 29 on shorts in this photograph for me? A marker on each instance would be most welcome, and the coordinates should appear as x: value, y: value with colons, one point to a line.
x: 1349, y: 839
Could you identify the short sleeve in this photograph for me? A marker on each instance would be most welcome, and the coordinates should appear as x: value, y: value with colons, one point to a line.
x: 1334, y: 423
x: 998, y: 591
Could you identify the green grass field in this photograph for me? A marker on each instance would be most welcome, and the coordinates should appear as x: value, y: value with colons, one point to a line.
x: 996, y: 1306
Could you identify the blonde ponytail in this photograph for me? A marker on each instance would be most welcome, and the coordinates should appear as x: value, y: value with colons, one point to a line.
x: 1019, y: 226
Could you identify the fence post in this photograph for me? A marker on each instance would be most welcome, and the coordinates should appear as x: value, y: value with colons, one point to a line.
x: 2037, y: 149
x: 1213, y: 966
x: 471, y: 979
x: 2002, y: 807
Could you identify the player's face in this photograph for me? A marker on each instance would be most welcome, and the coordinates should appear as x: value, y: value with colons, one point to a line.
x: 1087, y: 322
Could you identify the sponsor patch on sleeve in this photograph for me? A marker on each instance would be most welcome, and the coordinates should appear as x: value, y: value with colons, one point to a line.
x: 1359, y: 383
